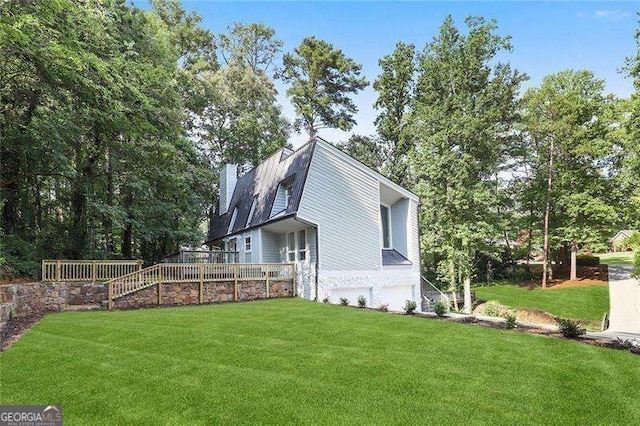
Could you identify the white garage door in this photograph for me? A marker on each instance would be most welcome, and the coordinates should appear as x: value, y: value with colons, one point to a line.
x: 352, y: 294
x: 396, y: 296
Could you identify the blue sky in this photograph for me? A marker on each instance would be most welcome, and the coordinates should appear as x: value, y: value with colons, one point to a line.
x: 547, y: 36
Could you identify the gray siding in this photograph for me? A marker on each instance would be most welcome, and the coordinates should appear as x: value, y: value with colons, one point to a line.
x: 344, y: 202
x: 400, y: 226
x: 271, y: 246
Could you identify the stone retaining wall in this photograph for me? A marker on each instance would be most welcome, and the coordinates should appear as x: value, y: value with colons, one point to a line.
x: 212, y: 292
x: 29, y: 298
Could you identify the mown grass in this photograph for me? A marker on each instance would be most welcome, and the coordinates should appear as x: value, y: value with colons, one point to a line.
x: 291, y: 361
x: 625, y: 257
x: 585, y: 303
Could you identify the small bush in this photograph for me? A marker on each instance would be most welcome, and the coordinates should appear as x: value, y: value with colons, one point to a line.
x: 492, y: 309
x: 409, y: 307
x: 344, y: 301
x: 325, y: 300
x: 362, y: 301
x: 587, y: 260
x: 384, y: 307
x: 440, y: 308
x: 511, y: 320
x: 569, y: 328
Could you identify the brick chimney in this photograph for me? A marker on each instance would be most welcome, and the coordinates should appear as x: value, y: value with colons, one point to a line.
x: 228, y: 180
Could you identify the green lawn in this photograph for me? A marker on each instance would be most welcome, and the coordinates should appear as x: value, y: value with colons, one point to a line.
x: 296, y: 362
x: 587, y: 303
x: 621, y: 257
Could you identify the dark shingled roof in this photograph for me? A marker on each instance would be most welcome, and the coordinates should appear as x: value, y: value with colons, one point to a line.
x: 390, y: 257
x: 262, y: 182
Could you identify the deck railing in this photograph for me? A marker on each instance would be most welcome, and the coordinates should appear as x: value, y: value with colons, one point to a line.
x: 87, y: 270
x: 202, y: 256
x: 184, y: 273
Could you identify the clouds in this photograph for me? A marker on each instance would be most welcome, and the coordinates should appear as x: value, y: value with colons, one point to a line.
x: 608, y: 15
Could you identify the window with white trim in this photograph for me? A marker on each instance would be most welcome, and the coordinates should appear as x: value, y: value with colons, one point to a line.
x: 232, y: 222
x: 302, y: 244
x: 386, y: 226
x: 252, y: 211
x: 288, y: 189
x: 247, y: 244
x: 291, y: 246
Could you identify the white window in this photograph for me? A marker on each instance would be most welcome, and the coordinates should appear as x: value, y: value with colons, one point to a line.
x: 288, y: 191
x: 302, y: 244
x: 232, y: 222
x: 386, y: 228
x: 252, y: 211
x: 291, y: 246
x: 247, y: 244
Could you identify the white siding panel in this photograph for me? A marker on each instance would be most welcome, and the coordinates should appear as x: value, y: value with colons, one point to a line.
x: 413, y: 234
x: 344, y: 202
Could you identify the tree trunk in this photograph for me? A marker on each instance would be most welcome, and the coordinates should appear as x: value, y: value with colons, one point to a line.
x: 127, y: 232
x: 107, y: 221
x: 547, y: 212
x: 467, y: 295
x: 574, y: 252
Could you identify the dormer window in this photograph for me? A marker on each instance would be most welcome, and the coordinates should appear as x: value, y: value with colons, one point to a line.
x: 252, y: 211
x: 283, y: 198
x: 288, y: 190
x: 232, y: 222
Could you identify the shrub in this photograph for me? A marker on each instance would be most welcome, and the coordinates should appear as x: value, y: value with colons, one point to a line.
x: 344, y: 301
x: 511, y: 320
x: 440, y: 308
x: 325, y: 300
x: 384, y: 307
x: 409, y: 307
x: 569, y: 328
x: 587, y: 260
x: 362, y: 301
x: 492, y: 309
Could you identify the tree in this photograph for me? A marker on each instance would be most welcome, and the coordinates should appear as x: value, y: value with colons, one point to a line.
x: 565, y: 124
x: 461, y: 121
x: 629, y: 117
x: 241, y: 121
x: 321, y: 79
x: 366, y: 149
x: 254, y: 45
x: 95, y: 162
x: 395, y: 86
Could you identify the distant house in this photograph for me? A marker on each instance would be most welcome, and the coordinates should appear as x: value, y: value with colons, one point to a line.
x: 350, y: 230
x: 618, y: 242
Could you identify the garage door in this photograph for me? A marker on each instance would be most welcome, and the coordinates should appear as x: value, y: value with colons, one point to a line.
x: 396, y: 296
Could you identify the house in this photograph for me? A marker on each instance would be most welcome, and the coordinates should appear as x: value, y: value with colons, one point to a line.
x: 350, y: 230
x: 619, y: 243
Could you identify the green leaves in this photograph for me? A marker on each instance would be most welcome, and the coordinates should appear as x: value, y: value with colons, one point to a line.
x: 321, y: 79
x: 463, y: 112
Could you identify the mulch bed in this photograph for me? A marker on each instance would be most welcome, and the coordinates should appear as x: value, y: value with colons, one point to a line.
x: 15, y: 328
x: 607, y: 343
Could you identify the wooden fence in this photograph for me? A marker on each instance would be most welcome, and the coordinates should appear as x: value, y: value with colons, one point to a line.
x: 87, y: 270
x: 183, y: 273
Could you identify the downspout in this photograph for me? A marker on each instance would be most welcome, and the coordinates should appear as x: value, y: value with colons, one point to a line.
x: 317, y: 264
